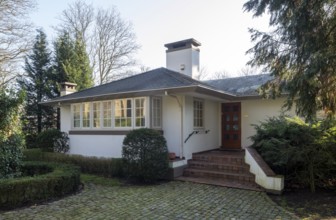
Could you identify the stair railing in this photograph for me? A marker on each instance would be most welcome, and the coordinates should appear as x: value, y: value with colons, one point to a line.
x: 196, y: 132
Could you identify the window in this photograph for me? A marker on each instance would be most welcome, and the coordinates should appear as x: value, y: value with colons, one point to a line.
x: 140, y: 112
x: 198, y: 113
x: 113, y: 114
x: 76, y: 115
x: 123, y: 113
x: 107, y: 114
x: 86, y: 115
x: 156, y: 112
x: 96, y: 114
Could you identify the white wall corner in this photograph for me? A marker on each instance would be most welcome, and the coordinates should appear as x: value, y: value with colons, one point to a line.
x: 273, y: 184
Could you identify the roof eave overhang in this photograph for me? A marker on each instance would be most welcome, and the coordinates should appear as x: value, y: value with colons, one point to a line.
x: 161, y: 91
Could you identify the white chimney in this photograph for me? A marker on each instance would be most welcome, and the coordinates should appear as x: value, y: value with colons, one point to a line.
x: 183, y: 56
x: 68, y: 88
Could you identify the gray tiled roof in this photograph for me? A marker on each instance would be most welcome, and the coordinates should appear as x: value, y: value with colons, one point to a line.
x: 162, y: 79
x: 241, y: 86
x: 156, y: 79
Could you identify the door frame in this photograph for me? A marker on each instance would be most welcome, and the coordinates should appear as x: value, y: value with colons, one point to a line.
x: 236, y: 145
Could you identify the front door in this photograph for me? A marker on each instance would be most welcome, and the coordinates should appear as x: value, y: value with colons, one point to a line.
x: 231, y: 125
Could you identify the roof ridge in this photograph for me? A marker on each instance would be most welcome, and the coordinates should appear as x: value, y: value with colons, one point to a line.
x: 236, y: 77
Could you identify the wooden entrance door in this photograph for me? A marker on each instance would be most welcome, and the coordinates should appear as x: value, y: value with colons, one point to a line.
x: 231, y: 125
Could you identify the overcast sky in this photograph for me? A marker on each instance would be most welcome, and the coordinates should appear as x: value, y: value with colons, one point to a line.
x: 221, y: 26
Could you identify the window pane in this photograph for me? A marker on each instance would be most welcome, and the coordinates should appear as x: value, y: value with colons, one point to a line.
x: 156, y: 112
x: 198, y: 113
x: 96, y: 114
x: 140, y: 112
x: 76, y: 115
x: 123, y: 113
x: 107, y: 114
x: 86, y: 115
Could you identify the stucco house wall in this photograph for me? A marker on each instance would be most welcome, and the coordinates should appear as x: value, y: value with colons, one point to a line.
x: 171, y: 123
x: 203, y: 140
x: 65, y: 118
x: 258, y: 110
x: 97, y: 145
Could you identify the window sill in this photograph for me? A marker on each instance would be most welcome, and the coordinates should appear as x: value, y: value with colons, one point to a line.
x: 101, y: 132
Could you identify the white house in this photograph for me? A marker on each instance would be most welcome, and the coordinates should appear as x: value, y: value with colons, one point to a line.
x: 194, y: 116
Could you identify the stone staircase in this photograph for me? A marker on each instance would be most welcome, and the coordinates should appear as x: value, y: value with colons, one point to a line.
x: 223, y: 168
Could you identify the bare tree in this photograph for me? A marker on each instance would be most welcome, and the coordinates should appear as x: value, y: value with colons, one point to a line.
x: 15, y: 36
x: 77, y: 19
x: 203, y: 73
x: 219, y: 75
x: 110, y: 40
x: 115, y: 44
x: 248, y: 71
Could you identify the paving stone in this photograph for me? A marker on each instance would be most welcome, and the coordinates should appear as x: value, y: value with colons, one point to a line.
x: 172, y: 200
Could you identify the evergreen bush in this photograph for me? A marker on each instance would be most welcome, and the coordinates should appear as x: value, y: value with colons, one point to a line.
x: 11, y: 156
x: 303, y: 153
x: 53, y: 140
x: 145, y: 155
x: 44, y: 185
x: 11, y: 138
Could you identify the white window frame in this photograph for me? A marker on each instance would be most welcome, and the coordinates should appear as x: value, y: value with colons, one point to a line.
x: 99, y: 117
x: 90, y: 115
x: 146, y: 108
x: 201, y: 118
x: 132, y: 114
x: 111, y: 114
x: 80, y: 116
x: 144, y: 112
x: 153, y: 112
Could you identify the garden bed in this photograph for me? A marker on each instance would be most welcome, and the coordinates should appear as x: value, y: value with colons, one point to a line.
x: 307, y: 205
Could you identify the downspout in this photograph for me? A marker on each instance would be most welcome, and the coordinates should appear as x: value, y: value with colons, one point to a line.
x: 181, y: 108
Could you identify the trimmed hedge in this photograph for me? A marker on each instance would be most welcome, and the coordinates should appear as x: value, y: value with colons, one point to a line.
x: 107, y: 167
x: 145, y: 155
x: 16, y: 192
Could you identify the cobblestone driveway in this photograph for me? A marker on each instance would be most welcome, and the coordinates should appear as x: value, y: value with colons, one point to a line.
x: 173, y: 200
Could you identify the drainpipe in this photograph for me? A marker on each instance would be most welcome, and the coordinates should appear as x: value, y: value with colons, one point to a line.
x: 181, y: 108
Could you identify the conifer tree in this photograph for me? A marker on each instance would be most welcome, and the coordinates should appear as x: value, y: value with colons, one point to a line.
x: 39, y: 86
x: 299, y: 52
x: 72, y: 62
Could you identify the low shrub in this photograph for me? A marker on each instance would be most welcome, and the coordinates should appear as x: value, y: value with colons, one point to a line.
x: 53, y: 140
x: 303, y: 153
x: 62, y: 180
x: 145, y: 155
x: 108, y: 167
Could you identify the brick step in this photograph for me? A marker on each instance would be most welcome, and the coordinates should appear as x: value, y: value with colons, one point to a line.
x: 229, y: 159
x: 206, y: 173
x: 196, y: 164
x: 221, y: 182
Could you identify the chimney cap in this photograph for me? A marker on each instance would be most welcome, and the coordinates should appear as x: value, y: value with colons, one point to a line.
x: 183, y: 44
x: 69, y: 83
